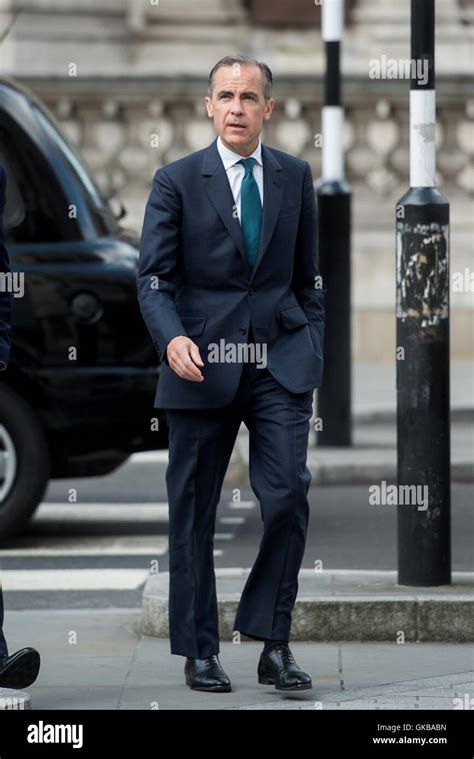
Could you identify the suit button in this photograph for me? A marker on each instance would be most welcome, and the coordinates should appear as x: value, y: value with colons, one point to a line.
x: 242, y: 331
x: 251, y: 291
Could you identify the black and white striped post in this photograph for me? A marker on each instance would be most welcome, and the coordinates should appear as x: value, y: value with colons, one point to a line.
x: 422, y: 241
x: 334, y: 202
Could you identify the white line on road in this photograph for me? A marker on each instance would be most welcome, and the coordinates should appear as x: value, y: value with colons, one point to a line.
x: 101, y: 512
x: 149, y: 457
x: 241, y: 505
x: 74, y: 579
x: 125, y: 545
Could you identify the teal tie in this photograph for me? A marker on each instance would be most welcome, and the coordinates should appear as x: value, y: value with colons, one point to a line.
x: 250, y: 211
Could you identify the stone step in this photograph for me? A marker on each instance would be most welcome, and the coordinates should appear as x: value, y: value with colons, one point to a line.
x: 335, y: 605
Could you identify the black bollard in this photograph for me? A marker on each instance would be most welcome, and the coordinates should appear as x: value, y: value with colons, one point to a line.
x: 422, y: 241
x: 334, y: 205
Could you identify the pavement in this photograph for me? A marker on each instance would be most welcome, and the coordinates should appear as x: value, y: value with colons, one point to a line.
x: 373, y: 455
x: 96, y: 659
x: 372, y: 458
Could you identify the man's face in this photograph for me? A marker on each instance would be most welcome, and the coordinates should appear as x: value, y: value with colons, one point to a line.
x: 238, y: 107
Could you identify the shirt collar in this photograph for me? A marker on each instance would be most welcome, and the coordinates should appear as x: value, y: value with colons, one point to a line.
x: 229, y: 158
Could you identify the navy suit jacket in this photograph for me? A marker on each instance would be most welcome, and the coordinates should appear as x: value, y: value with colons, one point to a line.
x: 194, y: 279
x: 6, y: 297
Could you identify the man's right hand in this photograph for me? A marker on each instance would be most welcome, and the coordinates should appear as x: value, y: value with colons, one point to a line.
x: 183, y: 357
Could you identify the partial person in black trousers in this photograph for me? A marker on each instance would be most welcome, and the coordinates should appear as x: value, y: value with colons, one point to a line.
x: 229, y: 288
x: 21, y: 668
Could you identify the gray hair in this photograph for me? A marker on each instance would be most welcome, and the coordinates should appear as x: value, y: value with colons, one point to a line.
x: 243, y: 60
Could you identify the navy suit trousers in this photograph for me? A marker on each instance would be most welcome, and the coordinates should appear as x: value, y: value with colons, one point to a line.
x: 200, y: 446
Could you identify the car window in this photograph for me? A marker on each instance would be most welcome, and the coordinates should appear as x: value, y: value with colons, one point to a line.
x: 97, y: 205
x: 15, y: 210
x: 31, y: 192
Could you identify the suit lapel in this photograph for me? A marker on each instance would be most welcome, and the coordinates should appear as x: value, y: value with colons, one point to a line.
x: 218, y: 190
x: 273, y: 188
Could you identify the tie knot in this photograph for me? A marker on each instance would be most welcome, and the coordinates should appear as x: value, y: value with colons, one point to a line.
x: 248, y: 164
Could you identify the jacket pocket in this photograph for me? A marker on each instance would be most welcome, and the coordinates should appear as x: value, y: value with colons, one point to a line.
x: 293, y: 317
x: 193, y: 323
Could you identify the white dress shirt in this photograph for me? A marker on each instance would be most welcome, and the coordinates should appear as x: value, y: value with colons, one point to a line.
x: 235, y: 171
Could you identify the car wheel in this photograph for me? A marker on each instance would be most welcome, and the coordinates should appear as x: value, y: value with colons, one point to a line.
x: 24, y: 462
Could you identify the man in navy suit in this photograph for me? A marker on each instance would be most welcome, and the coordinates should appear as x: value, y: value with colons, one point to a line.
x: 21, y: 668
x: 229, y: 288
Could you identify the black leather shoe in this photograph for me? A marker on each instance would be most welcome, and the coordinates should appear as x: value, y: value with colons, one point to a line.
x: 206, y: 674
x: 278, y: 668
x: 20, y: 669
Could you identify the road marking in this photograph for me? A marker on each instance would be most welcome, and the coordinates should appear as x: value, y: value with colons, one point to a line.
x: 149, y: 457
x: 241, y: 505
x: 125, y: 545
x: 73, y: 579
x: 232, y: 520
x: 101, y: 512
